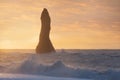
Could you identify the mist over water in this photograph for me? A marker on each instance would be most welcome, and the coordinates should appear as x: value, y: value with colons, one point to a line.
x: 91, y: 64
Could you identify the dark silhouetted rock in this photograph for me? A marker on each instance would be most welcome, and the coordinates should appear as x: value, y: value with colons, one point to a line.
x: 45, y: 45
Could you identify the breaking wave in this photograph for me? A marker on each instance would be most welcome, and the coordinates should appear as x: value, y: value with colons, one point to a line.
x: 59, y: 69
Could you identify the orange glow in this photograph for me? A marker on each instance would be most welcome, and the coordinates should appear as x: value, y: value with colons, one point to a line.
x: 78, y: 24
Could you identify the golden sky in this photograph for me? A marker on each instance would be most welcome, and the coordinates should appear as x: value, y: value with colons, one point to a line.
x: 76, y: 24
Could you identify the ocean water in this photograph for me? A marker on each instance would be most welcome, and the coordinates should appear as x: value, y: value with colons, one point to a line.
x: 70, y: 63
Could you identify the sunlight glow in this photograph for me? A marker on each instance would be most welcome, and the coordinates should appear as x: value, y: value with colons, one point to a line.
x: 77, y: 24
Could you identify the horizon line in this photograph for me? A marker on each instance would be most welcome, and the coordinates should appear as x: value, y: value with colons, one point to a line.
x: 63, y: 48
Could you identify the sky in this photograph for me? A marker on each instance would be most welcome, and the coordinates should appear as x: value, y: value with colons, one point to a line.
x: 76, y: 24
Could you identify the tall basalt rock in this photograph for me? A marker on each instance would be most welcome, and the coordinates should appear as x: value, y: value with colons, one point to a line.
x: 45, y: 45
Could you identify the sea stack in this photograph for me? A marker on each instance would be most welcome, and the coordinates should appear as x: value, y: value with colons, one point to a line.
x: 45, y: 45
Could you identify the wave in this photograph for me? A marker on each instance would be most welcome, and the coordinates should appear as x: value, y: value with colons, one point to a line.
x: 59, y: 69
x: 32, y: 77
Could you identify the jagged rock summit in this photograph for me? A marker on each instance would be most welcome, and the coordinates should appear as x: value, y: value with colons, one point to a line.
x: 45, y: 45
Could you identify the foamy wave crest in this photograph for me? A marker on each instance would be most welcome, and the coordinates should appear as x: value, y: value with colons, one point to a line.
x: 59, y: 69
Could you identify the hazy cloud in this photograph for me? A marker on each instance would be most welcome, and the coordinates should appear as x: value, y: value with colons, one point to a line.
x: 87, y: 19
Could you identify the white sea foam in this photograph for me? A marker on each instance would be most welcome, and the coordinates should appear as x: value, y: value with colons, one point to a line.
x: 67, y: 65
x: 32, y: 77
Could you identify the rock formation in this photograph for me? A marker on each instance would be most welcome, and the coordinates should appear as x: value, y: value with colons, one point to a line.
x: 45, y: 45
